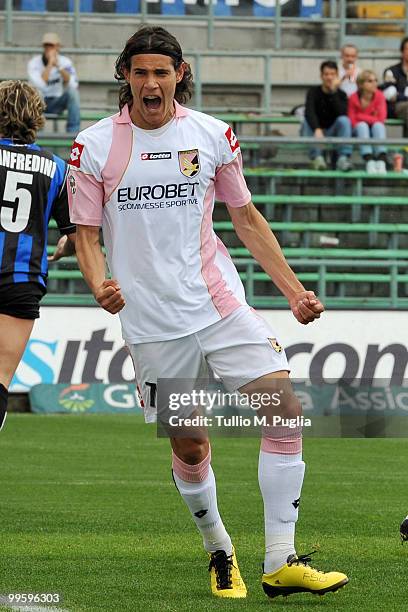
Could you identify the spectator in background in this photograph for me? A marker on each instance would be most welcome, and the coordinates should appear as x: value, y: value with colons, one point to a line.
x: 395, y: 87
x: 55, y: 78
x: 367, y: 110
x: 348, y: 69
x: 326, y: 115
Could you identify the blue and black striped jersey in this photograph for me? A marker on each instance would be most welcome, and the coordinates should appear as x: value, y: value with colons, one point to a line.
x: 32, y: 189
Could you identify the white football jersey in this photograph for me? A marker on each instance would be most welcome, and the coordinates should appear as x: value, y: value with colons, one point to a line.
x: 153, y: 192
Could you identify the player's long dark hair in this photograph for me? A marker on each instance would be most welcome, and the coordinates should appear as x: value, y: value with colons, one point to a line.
x: 153, y: 39
x: 21, y: 111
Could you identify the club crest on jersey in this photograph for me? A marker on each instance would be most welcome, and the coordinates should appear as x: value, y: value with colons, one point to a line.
x: 76, y: 152
x: 72, y: 184
x: 189, y: 162
x: 275, y: 345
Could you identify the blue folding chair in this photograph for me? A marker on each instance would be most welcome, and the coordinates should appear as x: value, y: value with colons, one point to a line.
x: 85, y: 6
x: 259, y: 10
x: 174, y: 8
x: 35, y: 6
x: 222, y: 8
x: 311, y: 9
x: 128, y: 6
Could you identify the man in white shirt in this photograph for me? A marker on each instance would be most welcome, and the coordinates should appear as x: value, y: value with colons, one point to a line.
x: 348, y: 69
x: 55, y: 77
x: 149, y: 176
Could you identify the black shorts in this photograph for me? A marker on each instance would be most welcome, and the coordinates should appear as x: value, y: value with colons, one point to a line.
x: 21, y: 300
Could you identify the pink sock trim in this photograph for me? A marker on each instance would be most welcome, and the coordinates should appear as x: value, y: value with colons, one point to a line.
x: 282, y: 446
x: 280, y: 432
x: 191, y: 473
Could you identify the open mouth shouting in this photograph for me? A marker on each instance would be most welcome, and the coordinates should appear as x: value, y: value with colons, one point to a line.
x: 152, y: 103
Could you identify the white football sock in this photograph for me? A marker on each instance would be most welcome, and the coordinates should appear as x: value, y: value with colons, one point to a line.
x: 201, y: 499
x: 280, y: 480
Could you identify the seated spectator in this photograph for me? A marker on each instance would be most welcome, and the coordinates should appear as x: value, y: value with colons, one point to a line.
x: 326, y: 115
x: 368, y: 111
x: 395, y: 87
x: 348, y: 69
x: 55, y: 78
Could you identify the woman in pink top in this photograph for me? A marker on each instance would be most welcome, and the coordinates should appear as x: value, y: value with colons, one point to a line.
x: 367, y: 111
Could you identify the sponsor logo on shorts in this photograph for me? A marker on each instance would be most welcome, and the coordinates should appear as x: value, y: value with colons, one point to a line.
x: 153, y: 156
x: 189, y: 162
x: 275, y: 345
x: 76, y: 152
x: 72, y: 184
x: 232, y: 140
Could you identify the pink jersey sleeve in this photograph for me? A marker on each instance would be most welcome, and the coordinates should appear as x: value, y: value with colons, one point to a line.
x: 230, y: 184
x: 85, y: 197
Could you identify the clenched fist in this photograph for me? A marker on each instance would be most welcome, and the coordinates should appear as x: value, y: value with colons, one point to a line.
x: 109, y: 296
x: 306, y: 307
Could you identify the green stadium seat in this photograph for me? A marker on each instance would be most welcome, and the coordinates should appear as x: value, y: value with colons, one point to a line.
x: 235, y: 119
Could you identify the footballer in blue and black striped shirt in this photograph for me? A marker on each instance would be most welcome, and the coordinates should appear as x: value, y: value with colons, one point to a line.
x: 32, y: 190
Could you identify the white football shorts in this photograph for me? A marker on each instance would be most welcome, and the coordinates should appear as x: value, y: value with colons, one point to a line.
x: 238, y: 349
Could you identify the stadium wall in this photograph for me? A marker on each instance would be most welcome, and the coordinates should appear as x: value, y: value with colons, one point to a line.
x: 74, y: 345
x: 110, y: 31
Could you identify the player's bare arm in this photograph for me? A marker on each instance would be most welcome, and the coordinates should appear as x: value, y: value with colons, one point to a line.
x: 92, y: 264
x: 65, y: 247
x: 255, y: 233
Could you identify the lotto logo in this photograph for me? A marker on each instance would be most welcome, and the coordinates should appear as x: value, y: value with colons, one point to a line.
x: 232, y: 140
x: 76, y: 152
x: 153, y: 156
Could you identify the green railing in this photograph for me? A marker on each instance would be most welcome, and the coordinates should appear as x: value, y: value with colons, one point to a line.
x: 393, y: 274
x: 316, y: 273
x: 353, y: 278
x: 370, y: 211
x: 236, y: 120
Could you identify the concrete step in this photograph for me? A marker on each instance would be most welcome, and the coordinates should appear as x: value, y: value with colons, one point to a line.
x: 112, y: 30
x: 228, y: 82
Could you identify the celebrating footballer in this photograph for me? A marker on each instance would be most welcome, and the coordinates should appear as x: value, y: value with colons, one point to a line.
x: 149, y: 176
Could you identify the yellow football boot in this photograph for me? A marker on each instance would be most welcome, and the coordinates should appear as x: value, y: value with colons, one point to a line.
x: 226, y: 579
x: 296, y: 576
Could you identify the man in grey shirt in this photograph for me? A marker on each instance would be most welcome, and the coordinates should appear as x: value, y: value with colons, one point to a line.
x: 55, y: 77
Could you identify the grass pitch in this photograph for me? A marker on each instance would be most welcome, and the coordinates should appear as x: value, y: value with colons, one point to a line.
x: 89, y: 510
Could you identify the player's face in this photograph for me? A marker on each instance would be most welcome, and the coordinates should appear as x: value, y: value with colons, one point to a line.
x: 152, y: 79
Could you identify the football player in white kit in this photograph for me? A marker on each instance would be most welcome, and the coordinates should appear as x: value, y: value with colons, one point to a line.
x: 149, y: 176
